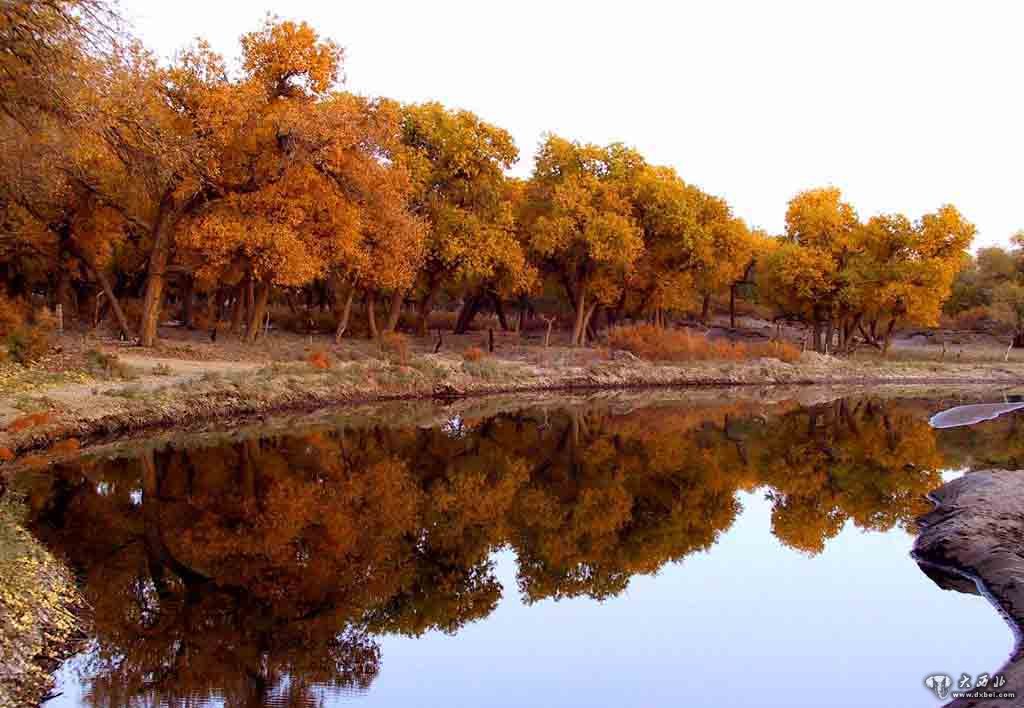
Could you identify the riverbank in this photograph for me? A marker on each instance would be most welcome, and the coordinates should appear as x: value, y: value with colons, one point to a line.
x: 971, y: 543
x: 39, y: 610
x: 135, y: 392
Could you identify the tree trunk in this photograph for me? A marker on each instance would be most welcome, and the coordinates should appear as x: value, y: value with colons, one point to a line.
x: 63, y: 294
x: 343, y: 318
x: 188, y: 302
x: 238, y: 308
x: 586, y: 324
x: 705, y: 309
x: 424, y: 308
x: 152, y: 300
x: 371, y: 316
x: 395, y: 311
x: 818, y: 344
x: 887, y: 337
x: 732, y: 306
x: 468, y: 313
x: 261, y: 296
x: 578, y: 330
x: 499, y: 310
x: 104, y: 282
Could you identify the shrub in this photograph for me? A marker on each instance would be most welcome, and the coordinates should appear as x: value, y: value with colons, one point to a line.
x: 27, y: 344
x: 319, y: 359
x: 29, y: 421
x: 980, y: 318
x: 303, y: 321
x: 409, y: 320
x: 108, y: 366
x: 395, y: 347
x: 473, y: 354
x: 658, y: 344
x: 25, y: 334
x: 487, y: 370
x: 6, y: 454
x: 12, y: 315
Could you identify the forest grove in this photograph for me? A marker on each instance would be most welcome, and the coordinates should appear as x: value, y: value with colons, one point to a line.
x: 207, y: 189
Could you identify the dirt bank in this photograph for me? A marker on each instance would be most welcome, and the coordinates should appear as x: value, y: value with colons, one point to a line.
x: 167, y: 393
x: 971, y: 542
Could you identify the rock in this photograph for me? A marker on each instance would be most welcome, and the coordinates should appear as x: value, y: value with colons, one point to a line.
x: 974, y: 534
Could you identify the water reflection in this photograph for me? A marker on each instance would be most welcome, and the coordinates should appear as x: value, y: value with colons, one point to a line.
x: 262, y: 570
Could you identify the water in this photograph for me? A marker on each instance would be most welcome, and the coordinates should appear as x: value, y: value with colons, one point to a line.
x: 734, y: 553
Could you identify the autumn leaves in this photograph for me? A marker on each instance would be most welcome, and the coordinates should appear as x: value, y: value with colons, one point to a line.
x: 248, y: 180
x: 851, y: 278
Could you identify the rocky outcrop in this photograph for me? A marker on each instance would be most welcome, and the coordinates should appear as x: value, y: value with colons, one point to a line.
x: 972, y: 542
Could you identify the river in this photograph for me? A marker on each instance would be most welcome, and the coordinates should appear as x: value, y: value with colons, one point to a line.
x: 713, y: 553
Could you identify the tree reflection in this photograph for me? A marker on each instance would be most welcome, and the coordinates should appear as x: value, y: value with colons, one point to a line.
x: 264, y: 567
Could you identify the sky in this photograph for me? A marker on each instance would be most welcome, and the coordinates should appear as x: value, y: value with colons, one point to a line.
x: 904, y: 105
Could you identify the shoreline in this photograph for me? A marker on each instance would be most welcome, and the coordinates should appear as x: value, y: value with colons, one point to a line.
x: 972, y: 535
x: 42, y: 613
x: 82, y: 413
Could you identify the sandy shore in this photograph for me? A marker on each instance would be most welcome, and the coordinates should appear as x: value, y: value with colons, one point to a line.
x: 170, y: 393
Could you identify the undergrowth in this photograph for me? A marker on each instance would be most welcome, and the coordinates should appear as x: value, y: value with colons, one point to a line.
x: 663, y: 344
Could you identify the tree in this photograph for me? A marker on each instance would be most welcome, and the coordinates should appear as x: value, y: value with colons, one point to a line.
x: 44, y: 41
x: 190, y: 135
x: 903, y: 271
x: 580, y: 224
x: 797, y: 280
x: 1008, y: 301
x: 820, y: 222
x: 838, y: 273
x: 457, y: 163
x: 337, y: 206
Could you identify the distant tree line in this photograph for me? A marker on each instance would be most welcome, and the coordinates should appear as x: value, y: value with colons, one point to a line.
x: 230, y: 185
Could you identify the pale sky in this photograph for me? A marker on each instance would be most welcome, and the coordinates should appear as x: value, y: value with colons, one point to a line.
x: 904, y: 105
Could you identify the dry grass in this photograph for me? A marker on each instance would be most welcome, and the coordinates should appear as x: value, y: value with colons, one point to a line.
x: 29, y: 421
x: 658, y: 344
x: 395, y: 347
x: 67, y: 446
x: 106, y: 366
x: 979, y: 319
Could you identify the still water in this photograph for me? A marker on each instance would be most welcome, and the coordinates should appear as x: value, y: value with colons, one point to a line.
x: 733, y: 553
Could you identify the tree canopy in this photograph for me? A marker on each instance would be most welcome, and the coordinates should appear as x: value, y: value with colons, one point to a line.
x: 239, y: 182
